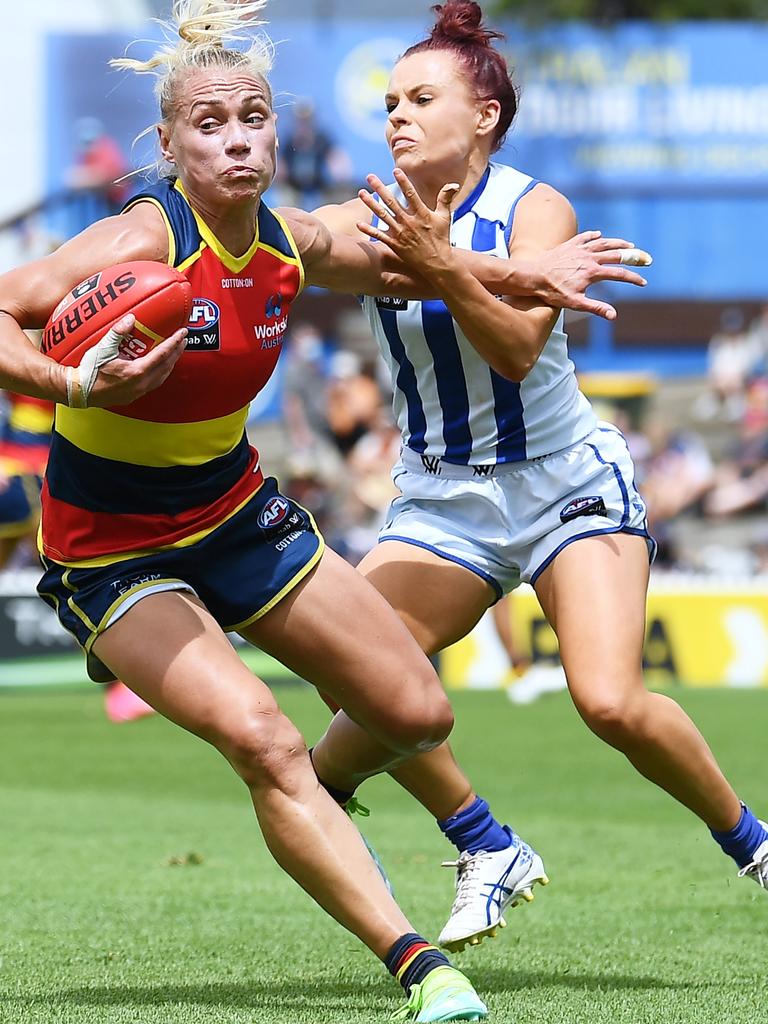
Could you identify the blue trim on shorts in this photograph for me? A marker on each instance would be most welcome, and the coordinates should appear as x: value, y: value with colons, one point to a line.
x: 450, y: 558
x: 619, y: 481
x: 595, y: 533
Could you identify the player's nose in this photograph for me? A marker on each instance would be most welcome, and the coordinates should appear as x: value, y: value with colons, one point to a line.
x: 237, y: 138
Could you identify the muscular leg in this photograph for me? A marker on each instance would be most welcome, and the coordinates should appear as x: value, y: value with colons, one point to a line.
x: 335, y: 631
x: 173, y: 654
x: 440, y: 602
x: 594, y: 594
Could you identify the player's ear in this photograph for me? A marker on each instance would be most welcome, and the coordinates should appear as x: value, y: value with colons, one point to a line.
x: 165, y: 143
x: 488, y: 116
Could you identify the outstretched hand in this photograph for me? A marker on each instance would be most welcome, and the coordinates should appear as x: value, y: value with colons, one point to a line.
x: 564, y: 273
x: 417, y: 235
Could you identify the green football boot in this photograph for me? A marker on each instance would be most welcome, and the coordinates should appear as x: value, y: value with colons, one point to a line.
x: 444, y: 995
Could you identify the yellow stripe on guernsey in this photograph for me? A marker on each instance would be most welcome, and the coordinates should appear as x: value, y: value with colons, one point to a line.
x: 233, y: 263
x: 187, y: 542
x: 236, y: 264
x: 168, y: 228
x: 294, y: 249
x: 147, y: 443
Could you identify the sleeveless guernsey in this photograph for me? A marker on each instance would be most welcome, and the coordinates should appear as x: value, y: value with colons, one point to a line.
x: 168, y: 469
x: 448, y: 402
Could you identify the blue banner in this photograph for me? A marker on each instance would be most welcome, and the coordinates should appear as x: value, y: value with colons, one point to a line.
x: 657, y: 133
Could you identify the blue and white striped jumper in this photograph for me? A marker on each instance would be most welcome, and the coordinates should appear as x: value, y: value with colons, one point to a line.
x: 448, y: 402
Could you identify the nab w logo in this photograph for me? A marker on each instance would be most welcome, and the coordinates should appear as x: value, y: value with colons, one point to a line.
x: 431, y: 464
x: 274, y: 306
x: 274, y: 512
x: 204, y: 314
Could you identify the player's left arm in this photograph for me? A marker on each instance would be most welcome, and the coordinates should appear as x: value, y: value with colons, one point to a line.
x: 335, y: 259
x: 508, y: 333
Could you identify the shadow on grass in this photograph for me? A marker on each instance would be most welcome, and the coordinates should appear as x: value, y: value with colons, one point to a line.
x: 338, y: 994
x: 498, y: 979
x: 288, y: 994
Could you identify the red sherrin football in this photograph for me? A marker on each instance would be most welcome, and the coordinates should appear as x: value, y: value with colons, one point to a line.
x: 158, y: 296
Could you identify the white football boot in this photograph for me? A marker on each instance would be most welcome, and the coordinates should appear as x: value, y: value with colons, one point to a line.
x: 486, y: 884
x: 758, y: 866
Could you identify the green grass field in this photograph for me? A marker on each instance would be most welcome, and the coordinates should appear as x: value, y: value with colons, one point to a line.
x: 106, y: 916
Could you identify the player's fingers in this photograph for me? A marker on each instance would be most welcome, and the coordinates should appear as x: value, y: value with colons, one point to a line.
x: 372, y: 232
x: 627, y: 257
x: 596, y: 306
x: 124, y: 325
x: 376, y: 207
x: 386, y: 197
x: 415, y: 201
x: 604, y: 244
x: 636, y: 258
x: 612, y: 273
x: 447, y: 195
x: 165, y: 353
x: 585, y: 236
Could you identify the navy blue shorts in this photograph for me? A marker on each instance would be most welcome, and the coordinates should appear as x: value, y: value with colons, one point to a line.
x: 20, y: 505
x: 239, y: 571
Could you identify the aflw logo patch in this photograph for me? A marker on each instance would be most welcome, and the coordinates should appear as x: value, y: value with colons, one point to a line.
x: 203, y: 326
x: 590, y: 506
x: 274, y: 512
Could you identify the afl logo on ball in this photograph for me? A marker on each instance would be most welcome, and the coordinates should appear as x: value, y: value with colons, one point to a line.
x: 203, y: 326
x: 274, y: 512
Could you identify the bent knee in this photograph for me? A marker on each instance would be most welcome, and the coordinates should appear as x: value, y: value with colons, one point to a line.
x: 420, y: 720
x: 611, y: 716
x: 263, y: 748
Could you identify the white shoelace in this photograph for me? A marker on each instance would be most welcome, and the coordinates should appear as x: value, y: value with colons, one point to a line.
x: 757, y: 870
x: 468, y: 882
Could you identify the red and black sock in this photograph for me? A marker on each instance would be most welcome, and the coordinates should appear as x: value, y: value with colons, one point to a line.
x: 412, y: 958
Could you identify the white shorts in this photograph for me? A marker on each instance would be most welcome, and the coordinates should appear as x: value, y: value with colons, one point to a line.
x: 508, y: 522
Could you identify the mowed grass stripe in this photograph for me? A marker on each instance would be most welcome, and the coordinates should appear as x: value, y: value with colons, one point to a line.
x: 135, y: 887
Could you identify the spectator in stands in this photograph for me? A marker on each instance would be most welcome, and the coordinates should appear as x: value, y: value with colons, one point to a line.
x: 305, y: 380
x: 354, y: 399
x: 734, y: 354
x: 741, y: 481
x: 100, y: 163
x: 311, y: 162
x: 676, y: 475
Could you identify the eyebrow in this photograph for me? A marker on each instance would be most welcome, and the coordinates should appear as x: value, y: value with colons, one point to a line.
x: 218, y: 102
x: 413, y: 88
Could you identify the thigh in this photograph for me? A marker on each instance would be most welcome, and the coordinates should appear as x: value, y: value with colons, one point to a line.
x: 439, y: 600
x: 593, y: 594
x: 170, y: 650
x: 337, y: 632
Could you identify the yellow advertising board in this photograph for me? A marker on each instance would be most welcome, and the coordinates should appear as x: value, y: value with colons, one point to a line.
x: 699, y: 635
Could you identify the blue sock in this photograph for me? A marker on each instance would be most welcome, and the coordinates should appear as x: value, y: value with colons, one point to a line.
x: 742, y: 840
x: 476, y: 829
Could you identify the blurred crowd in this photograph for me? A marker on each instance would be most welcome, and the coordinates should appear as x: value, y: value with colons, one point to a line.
x: 702, y: 467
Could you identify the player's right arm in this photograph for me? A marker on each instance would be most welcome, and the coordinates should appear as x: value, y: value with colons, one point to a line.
x: 29, y: 294
x: 558, y: 277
